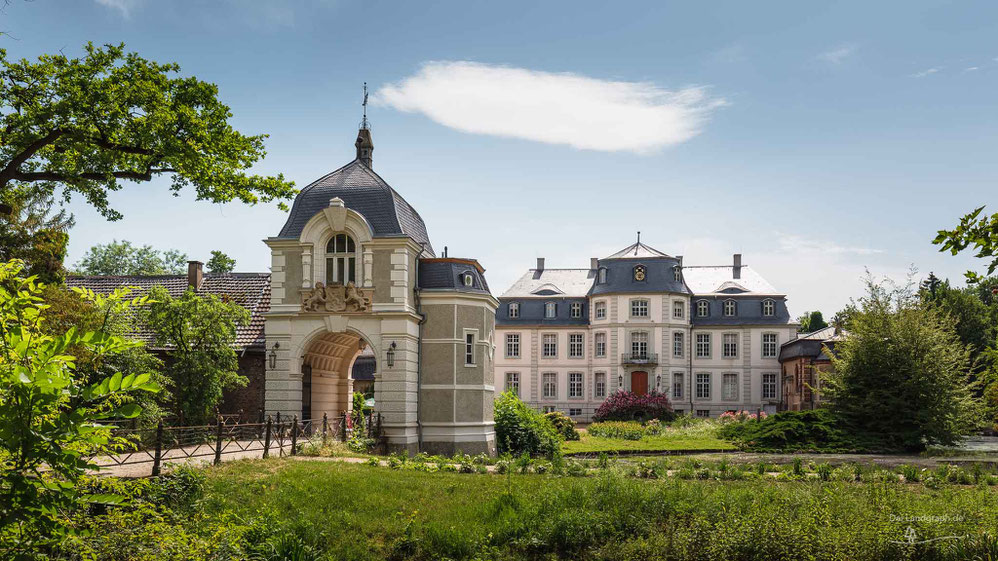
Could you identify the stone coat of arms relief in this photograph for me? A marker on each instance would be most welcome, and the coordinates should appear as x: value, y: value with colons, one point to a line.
x: 336, y: 298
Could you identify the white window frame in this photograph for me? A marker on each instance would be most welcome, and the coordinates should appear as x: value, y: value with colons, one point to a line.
x: 514, y: 310
x: 703, y: 382
x: 639, y: 344
x: 550, y: 310
x: 640, y: 307
x: 678, y: 309
x: 599, y: 344
x: 332, y: 273
x: 470, y: 342
x: 729, y: 308
x: 576, y: 345
x: 576, y: 385
x: 678, y: 344
x: 599, y: 309
x: 703, y: 413
x: 512, y: 345
x: 703, y: 341
x: 513, y: 383
x: 770, y: 380
x: 549, y: 385
x: 576, y: 309
x: 729, y: 345
x: 703, y: 309
x: 677, y: 273
x: 770, y: 349
x: 678, y: 378
x: 729, y: 392
x: 553, y: 337
x: 599, y: 385
x: 574, y: 411
x: 768, y: 308
x: 601, y: 275
x: 549, y: 409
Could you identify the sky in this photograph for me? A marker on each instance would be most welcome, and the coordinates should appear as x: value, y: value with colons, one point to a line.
x: 820, y: 141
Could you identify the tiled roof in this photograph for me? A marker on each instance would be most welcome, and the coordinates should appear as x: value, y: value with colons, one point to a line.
x: 568, y: 282
x: 249, y: 290
x: 704, y: 280
x: 364, y: 191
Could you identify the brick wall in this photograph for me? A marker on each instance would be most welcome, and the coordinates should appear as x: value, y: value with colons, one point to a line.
x: 248, y: 399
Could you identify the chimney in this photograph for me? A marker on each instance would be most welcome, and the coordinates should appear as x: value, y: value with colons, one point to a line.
x: 540, y: 263
x: 594, y: 263
x: 737, y: 269
x: 194, y: 274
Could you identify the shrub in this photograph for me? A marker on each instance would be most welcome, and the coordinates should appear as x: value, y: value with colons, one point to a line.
x: 563, y: 424
x: 628, y: 406
x: 818, y: 429
x: 521, y: 430
x: 740, y: 416
x: 626, y: 430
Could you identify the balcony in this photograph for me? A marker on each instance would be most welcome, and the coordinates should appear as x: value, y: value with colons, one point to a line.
x: 639, y: 358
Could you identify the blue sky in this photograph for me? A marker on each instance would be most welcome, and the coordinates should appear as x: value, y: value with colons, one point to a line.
x: 817, y: 141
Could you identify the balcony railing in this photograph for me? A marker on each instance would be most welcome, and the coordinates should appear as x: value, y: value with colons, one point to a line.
x: 639, y: 358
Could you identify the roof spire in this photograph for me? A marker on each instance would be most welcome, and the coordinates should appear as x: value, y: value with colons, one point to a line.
x: 364, y: 144
x: 637, y: 245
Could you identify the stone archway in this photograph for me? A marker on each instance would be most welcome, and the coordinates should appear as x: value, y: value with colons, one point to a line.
x: 328, y: 359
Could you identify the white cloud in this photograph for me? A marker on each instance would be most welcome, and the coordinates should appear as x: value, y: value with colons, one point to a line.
x: 555, y: 108
x: 838, y: 54
x: 124, y: 6
x: 926, y: 72
x: 971, y: 68
x: 793, y: 243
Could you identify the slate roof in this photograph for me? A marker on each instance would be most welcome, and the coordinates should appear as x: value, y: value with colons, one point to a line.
x: 249, y: 290
x: 637, y: 251
x: 812, y: 344
x: 364, y: 191
x: 705, y: 280
x: 538, y: 284
x: 445, y: 274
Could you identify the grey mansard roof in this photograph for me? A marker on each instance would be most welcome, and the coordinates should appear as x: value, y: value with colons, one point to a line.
x: 563, y: 283
x: 445, y: 274
x: 367, y: 193
x: 706, y: 280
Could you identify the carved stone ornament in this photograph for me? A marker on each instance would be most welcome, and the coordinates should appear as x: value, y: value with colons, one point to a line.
x: 336, y: 298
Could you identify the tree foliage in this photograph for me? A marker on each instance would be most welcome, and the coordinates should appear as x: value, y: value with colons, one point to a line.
x: 48, y: 414
x: 811, y: 321
x: 32, y: 232
x: 86, y: 125
x: 977, y: 231
x: 199, y: 332
x: 123, y: 258
x: 221, y: 263
x: 902, y: 376
x: 521, y: 430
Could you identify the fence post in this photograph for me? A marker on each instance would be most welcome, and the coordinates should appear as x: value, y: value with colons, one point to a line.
x: 159, y: 448
x: 294, y: 435
x: 325, y: 428
x: 266, y: 438
x: 218, y: 440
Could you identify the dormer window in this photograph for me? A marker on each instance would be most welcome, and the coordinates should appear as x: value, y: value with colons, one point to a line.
x: 677, y: 273
x: 768, y: 308
x: 576, y: 309
x: 468, y: 279
x: 514, y: 310
x: 703, y: 308
x: 550, y: 309
x: 730, y: 308
x: 341, y: 260
x: 601, y: 276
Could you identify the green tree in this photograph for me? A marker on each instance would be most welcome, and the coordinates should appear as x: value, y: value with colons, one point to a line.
x: 974, y: 230
x: 902, y: 376
x: 221, y: 263
x: 88, y: 125
x: 199, y: 332
x: 123, y: 258
x: 811, y: 321
x: 32, y: 232
x: 48, y: 416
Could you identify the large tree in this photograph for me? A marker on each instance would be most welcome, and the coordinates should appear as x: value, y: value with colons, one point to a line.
x: 974, y: 230
x: 220, y: 263
x: 811, y: 321
x: 33, y: 230
x: 123, y: 258
x: 88, y: 125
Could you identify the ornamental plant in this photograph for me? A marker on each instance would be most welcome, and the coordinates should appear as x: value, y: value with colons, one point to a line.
x: 628, y: 406
x: 740, y: 416
x: 521, y: 430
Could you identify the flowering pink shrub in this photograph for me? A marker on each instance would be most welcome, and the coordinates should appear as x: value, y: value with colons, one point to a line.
x: 740, y: 416
x: 628, y: 406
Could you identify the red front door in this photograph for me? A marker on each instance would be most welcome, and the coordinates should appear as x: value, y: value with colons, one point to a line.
x: 639, y: 383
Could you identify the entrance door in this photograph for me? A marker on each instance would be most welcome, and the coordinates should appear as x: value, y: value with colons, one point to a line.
x: 639, y: 382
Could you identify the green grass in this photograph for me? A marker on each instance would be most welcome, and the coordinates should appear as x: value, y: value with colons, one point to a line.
x: 593, y: 445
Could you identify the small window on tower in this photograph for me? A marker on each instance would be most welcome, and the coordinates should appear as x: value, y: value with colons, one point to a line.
x: 468, y: 280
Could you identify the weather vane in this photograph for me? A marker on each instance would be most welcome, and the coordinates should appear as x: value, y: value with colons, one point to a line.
x: 364, y: 124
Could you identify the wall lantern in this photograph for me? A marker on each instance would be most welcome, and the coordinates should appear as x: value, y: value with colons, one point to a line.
x: 391, y: 355
x: 273, y: 356
x: 658, y: 382
x: 620, y: 381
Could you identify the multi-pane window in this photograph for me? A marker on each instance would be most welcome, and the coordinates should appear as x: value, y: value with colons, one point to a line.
x: 729, y: 308
x: 550, y: 309
x: 703, y: 385
x: 550, y: 409
x: 512, y: 345
x: 703, y: 308
x: 599, y: 310
x: 703, y: 413
x: 599, y: 344
x: 703, y: 345
x: 575, y: 412
x: 599, y: 385
x: 677, y: 273
x: 513, y: 383
x: 729, y: 386
x: 514, y: 310
x: 469, y: 348
x: 678, y: 309
x: 575, y: 346
x: 602, y: 276
x: 639, y: 308
x: 769, y: 386
x: 549, y: 345
x: 677, y: 385
x: 550, y: 385
x: 576, y: 309
x: 678, y: 344
x: 729, y: 347
x: 575, y: 385
x: 768, y: 308
x: 769, y: 345
x: 341, y: 260
x: 639, y: 344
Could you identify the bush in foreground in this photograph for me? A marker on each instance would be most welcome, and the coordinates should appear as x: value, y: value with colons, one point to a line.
x: 563, y: 424
x: 816, y: 430
x: 521, y: 430
x: 628, y: 406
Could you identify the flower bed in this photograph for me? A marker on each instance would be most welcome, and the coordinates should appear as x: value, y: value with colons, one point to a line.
x: 628, y: 406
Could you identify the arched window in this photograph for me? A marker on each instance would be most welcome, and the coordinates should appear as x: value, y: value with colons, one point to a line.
x: 703, y: 308
x: 341, y: 260
x: 730, y: 308
x: 768, y: 308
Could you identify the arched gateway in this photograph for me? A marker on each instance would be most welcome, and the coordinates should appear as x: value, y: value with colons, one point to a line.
x: 352, y: 272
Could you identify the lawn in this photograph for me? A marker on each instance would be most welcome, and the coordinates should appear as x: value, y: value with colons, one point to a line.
x: 594, y: 445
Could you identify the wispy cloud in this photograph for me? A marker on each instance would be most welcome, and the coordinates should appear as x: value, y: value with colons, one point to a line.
x: 555, y: 108
x: 799, y: 244
x: 838, y: 54
x: 927, y: 72
x: 123, y: 6
x: 972, y: 69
